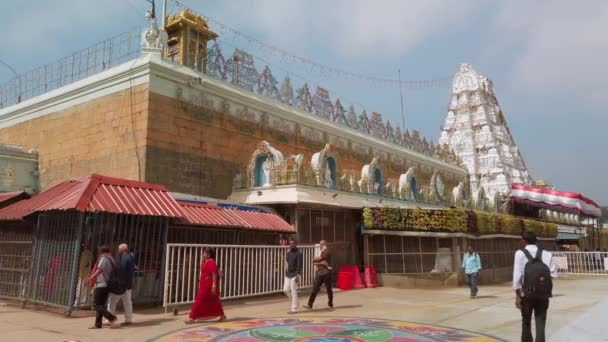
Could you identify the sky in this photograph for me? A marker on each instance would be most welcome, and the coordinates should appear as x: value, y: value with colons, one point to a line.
x: 547, y: 60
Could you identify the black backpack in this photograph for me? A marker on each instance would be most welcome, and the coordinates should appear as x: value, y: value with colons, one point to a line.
x: 537, y: 277
x: 117, y: 284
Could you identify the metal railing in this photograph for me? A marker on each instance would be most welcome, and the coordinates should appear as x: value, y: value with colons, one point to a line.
x: 246, y: 270
x: 283, y: 173
x: 581, y: 263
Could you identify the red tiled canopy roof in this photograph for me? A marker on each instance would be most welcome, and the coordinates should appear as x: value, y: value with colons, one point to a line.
x: 211, y: 215
x: 98, y: 193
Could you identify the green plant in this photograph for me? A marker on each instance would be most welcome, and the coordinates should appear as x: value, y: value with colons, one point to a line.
x: 421, y: 219
x: 486, y: 223
x: 550, y: 230
x: 511, y: 225
x: 391, y: 218
x: 404, y: 217
x: 455, y: 220
x: 368, y: 218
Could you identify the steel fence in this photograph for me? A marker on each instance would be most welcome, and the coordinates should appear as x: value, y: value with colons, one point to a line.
x: 581, y: 263
x: 246, y: 270
x: 15, y: 264
x: 409, y: 254
x: 15, y: 258
x: 145, y: 237
x: 55, y: 260
x: 77, y: 66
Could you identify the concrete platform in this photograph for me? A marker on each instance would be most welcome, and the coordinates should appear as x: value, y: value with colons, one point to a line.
x: 577, y: 313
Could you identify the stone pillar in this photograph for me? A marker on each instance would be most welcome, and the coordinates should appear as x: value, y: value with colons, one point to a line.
x: 366, y: 250
x: 457, y: 260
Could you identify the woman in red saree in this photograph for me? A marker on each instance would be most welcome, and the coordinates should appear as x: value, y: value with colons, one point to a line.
x: 207, y: 304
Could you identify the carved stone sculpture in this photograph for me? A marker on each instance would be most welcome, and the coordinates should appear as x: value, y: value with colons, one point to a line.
x: 404, y: 184
x: 368, y: 177
x: 153, y: 37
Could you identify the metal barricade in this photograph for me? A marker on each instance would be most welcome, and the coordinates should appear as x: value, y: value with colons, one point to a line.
x: 581, y: 263
x: 246, y: 270
x: 15, y: 264
x: 55, y: 260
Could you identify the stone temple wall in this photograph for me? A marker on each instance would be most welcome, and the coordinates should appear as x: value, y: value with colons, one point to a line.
x: 188, y: 136
x: 208, y: 147
x: 106, y: 135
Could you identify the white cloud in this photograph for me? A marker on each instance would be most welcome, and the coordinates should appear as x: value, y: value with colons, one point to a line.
x: 352, y: 27
x: 564, y: 49
x: 33, y: 26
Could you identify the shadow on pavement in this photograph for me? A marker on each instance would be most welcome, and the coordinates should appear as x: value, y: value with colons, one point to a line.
x: 338, y: 307
x: 149, y: 322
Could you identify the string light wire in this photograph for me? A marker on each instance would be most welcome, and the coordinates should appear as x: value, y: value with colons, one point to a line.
x: 322, y: 68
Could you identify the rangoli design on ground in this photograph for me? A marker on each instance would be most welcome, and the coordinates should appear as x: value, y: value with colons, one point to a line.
x: 321, y: 329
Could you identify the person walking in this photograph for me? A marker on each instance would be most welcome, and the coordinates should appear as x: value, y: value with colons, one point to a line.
x: 126, y: 271
x: 322, y: 276
x: 99, y: 281
x: 207, y: 304
x: 598, y: 261
x: 533, y: 270
x: 471, y: 262
x: 292, y: 275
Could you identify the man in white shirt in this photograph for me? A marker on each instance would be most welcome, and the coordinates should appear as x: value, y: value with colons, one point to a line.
x: 529, y: 305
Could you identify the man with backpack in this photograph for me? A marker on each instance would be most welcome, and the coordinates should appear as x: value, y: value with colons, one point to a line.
x: 533, y: 271
x: 101, y: 280
x: 125, y: 274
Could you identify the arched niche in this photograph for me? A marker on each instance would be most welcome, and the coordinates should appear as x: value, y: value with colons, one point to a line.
x: 325, y: 166
x: 331, y: 172
x: 437, y: 187
x: 372, y: 178
x: 263, y: 164
x: 379, y: 180
x: 261, y: 176
x: 414, y: 190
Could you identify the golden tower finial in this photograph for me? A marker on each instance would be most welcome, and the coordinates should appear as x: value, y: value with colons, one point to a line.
x: 188, y: 37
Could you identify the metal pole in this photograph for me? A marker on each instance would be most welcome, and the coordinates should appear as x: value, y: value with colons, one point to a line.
x: 401, y: 94
x: 75, y: 261
x: 164, y: 21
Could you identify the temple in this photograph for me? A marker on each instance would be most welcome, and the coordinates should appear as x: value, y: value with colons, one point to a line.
x: 476, y: 129
x: 183, y: 115
x: 218, y: 137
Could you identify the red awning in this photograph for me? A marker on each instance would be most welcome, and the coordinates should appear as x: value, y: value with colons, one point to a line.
x: 211, y: 215
x: 98, y: 193
x: 558, y: 200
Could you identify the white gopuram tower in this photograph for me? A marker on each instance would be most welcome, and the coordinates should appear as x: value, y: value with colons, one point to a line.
x: 475, y: 128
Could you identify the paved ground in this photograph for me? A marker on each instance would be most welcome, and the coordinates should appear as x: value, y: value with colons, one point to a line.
x: 577, y: 313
